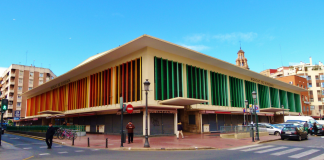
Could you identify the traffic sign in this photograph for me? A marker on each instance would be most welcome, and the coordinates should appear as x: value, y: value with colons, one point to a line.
x: 243, y: 110
x: 257, y: 109
x: 129, y: 109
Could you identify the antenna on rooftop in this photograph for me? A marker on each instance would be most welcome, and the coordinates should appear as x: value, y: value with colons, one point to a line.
x: 240, y: 44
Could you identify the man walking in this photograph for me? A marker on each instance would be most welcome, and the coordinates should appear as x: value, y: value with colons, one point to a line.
x: 180, y: 128
x: 306, y: 126
x: 49, y: 135
x: 130, y: 129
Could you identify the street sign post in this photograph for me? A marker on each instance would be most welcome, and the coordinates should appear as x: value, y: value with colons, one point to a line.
x: 129, y: 109
x: 257, y: 109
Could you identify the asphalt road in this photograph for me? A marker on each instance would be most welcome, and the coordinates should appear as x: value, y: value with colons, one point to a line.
x: 23, y: 147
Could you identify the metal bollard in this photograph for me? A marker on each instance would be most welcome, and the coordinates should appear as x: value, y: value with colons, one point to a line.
x: 73, y: 141
x: 106, y: 142
x: 88, y: 142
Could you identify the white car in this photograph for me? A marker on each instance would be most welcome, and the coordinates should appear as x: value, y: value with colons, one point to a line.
x: 269, y: 128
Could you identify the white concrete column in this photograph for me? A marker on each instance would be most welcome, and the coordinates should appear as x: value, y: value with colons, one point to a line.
x: 201, y: 128
x: 209, y: 88
x: 175, y: 123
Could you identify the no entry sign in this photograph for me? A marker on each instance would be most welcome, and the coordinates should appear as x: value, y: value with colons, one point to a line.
x: 129, y: 109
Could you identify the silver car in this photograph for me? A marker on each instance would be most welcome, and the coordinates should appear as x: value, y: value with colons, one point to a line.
x: 269, y: 128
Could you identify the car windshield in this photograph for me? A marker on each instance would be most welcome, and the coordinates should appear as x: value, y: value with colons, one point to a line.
x: 289, y: 129
x: 278, y: 125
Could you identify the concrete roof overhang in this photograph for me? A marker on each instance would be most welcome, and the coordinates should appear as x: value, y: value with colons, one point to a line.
x: 149, y: 41
x: 271, y: 109
x: 50, y: 112
x: 180, y: 101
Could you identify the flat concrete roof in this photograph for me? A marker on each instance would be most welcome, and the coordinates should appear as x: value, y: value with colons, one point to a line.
x: 180, y: 101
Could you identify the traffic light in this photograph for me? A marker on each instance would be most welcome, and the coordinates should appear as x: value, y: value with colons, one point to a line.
x: 4, y: 105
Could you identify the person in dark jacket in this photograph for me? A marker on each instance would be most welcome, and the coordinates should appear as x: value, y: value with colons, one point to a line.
x: 315, y: 128
x: 130, y: 129
x: 180, y: 128
x: 49, y: 135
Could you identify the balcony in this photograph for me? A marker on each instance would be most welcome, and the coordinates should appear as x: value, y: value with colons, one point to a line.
x: 19, y: 100
x: 6, y: 115
x: 10, y: 106
x: 11, y: 90
x: 12, y: 83
x: 18, y: 108
x: 12, y: 74
x: 10, y: 98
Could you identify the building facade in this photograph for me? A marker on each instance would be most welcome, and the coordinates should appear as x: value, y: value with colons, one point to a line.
x: 300, y: 82
x: 186, y: 86
x: 314, y: 73
x: 18, y: 79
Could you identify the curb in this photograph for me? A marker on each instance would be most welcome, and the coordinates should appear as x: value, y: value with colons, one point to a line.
x: 269, y: 140
x: 163, y: 149
x: 29, y: 136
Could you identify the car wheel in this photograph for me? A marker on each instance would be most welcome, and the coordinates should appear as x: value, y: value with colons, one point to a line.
x: 277, y: 133
x: 299, y: 138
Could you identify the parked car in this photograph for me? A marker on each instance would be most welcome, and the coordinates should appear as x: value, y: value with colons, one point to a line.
x: 280, y: 126
x: 293, y: 132
x: 320, y: 130
x: 270, y: 128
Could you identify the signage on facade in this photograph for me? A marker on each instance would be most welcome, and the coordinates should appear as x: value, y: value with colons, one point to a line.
x: 16, y: 118
x: 261, y: 82
x: 207, y: 112
x: 61, y: 84
x: 134, y: 111
x: 162, y: 111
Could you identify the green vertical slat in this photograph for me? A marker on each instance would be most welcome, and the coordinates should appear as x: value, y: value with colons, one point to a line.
x: 192, y: 83
x: 196, y: 84
x: 187, y: 70
x: 178, y: 83
x: 216, y: 89
x: 172, y: 79
x: 200, y: 78
x: 156, y: 79
x: 162, y: 78
x: 218, y: 82
x: 167, y: 79
x: 204, y: 89
x: 226, y: 89
x: 206, y: 83
x: 211, y: 88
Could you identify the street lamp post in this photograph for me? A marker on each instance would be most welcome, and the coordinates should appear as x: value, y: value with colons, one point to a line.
x: 252, y: 131
x: 254, y: 95
x: 246, y: 104
x: 146, y: 88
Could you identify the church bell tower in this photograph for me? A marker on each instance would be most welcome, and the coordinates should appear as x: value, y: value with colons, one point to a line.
x: 241, y: 60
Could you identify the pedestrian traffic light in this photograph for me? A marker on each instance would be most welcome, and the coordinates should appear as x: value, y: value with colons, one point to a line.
x: 4, y: 105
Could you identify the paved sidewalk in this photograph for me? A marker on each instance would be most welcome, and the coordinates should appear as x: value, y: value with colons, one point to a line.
x: 191, y: 141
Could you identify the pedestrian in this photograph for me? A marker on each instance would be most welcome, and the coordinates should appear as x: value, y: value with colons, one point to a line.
x: 130, y: 129
x: 49, y: 135
x: 315, y: 128
x: 306, y: 126
x: 244, y: 123
x: 180, y: 128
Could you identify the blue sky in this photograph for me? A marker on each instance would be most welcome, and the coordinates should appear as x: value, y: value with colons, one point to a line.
x: 61, y: 34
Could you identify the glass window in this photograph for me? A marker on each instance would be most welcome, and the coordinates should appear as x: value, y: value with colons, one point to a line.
x: 309, y: 78
x: 289, y: 129
x: 21, y: 73
x: 31, y: 74
x: 40, y: 81
x: 318, y: 92
x: 322, y: 92
x: 41, y: 74
x: 322, y: 84
x: 19, y: 97
x: 31, y: 81
x: 316, y: 77
x: 312, y: 100
x: 30, y: 88
x: 20, y: 80
x: 321, y: 77
x: 322, y: 99
x: 18, y: 104
x: 317, y: 85
x: 19, y: 88
x: 309, y: 84
x: 310, y: 92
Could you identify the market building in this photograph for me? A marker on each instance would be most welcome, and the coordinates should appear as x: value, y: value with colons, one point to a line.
x: 186, y: 86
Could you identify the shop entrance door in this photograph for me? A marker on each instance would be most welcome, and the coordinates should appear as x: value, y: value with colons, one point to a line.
x: 161, y: 124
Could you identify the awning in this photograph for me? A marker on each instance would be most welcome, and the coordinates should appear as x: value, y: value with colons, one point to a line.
x: 180, y: 101
x: 51, y: 112
x: 271, y: 109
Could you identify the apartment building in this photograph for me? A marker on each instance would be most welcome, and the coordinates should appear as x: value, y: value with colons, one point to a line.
x: 18, y: 79
x: 314, y: 73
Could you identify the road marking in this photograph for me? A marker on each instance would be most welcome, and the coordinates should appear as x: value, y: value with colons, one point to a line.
x: 62, y: 152
x: 269, y: 150
x: 14, y: 138
x: 320, y: 157
x: 57, y: 146
x: 237, y: 148
x: 94, y: 149
x: 28, y: 148
x: 28, y: 158
x: 43, y: 147
x: 303, y: 154
x: 37, y: 143
x: 257, y: 148
x: 286, y: 151
x: 44, y: 154
x: 79, y: 151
